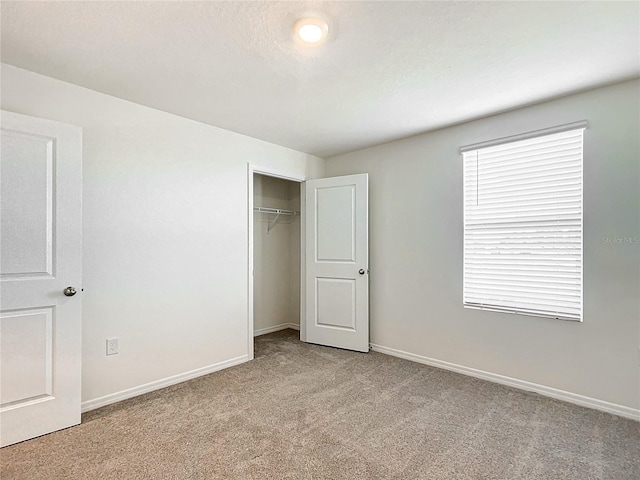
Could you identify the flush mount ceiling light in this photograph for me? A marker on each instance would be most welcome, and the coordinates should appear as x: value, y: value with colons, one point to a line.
x: 311, y: 31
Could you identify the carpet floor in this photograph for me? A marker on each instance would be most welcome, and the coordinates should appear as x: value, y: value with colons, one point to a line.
x: 301, y: 411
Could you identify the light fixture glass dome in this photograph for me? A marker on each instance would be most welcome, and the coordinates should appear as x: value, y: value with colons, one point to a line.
x: 312, y: 31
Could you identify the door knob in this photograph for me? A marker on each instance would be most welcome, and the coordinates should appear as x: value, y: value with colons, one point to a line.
x: 361, y: 271
x: 69, y: 291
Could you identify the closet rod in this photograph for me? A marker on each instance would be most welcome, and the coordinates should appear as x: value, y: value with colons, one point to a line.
x: 277, y: 212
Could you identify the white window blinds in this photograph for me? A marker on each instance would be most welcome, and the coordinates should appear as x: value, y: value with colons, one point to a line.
x: 523, y: 226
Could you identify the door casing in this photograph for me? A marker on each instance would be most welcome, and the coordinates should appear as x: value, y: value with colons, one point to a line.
x: 284, y: 175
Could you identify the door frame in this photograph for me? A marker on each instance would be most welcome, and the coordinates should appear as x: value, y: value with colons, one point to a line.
x: 284, y: 175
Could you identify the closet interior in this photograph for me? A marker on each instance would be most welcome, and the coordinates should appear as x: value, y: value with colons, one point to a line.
x: 276, y: 254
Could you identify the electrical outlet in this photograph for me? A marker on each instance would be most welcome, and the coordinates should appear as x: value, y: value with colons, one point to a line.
x: 112, y: 346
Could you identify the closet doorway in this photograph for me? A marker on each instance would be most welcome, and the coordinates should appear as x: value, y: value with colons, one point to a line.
x: 275, y: 229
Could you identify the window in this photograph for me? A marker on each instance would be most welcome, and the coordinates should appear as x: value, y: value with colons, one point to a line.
x: 523, y: 224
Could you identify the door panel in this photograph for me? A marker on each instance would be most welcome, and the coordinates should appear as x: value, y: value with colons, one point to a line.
x: 40, y: 327
x: 26, y: 374
x: 335, y: 218
x: 26, y: 202
x: 337, y: 250
x: 335, y: 301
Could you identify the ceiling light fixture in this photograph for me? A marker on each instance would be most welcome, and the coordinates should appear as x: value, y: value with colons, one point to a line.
x: 312, y: 31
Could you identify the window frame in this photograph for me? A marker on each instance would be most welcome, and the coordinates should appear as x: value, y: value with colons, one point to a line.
x: 491, y: 303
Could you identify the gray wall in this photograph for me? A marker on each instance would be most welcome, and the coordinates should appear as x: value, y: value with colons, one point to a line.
x: 416, y: 252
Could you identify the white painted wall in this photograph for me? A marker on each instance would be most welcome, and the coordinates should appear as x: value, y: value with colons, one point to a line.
x: 416, y: 252
x: 165, y: 231
x: 276, y: 255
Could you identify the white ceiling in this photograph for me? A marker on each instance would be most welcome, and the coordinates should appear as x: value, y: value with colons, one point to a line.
x: 387, y: 70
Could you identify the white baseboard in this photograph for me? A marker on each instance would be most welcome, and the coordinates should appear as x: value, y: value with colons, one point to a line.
x: 622, y: 411
x: 158, y: 384
x: 275, y: 328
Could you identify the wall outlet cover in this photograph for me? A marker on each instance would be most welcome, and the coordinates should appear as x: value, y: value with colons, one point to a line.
x: 112, y: 346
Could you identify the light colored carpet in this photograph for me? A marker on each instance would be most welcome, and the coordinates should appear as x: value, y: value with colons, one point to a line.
x: 301, y: 411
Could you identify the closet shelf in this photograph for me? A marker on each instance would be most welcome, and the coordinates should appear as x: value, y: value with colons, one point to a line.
x: 277, y: 212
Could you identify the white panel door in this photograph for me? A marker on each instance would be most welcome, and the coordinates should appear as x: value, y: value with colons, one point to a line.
x: 40, y: 256
x: 337, y: 262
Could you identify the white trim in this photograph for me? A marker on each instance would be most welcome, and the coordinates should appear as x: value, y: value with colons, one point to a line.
x: 524, y: 136
x: 583, y: 401
x: 250, y: 272
x: 303, y: 262
x: 275, y: 328
x: 272, y: 172
x: 158, y: 384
